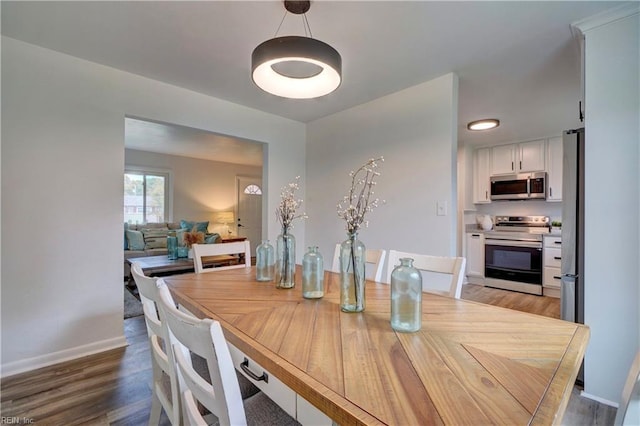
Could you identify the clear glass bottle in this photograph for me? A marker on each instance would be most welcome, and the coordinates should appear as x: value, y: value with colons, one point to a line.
x: 312, y: 274
x: 172, y: 245
x: 285, y: 261
x: 406, y: 297
x: 265, y: 262
x: 352, y: 274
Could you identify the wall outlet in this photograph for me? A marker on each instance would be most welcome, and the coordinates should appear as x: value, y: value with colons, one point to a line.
x: 441, y: 208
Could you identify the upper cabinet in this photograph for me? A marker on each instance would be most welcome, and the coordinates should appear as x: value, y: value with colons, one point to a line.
x: 481, y: 171
x: 518, y: 158
x: 554, y: 169
x: 503, y: 159
x: 542, y: 155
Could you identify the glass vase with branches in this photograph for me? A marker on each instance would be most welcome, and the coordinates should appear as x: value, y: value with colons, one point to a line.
x: 286, y: 213
x: 354, y: 207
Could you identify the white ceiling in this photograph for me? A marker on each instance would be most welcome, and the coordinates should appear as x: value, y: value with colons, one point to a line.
x: 172, y: 139
x: 517, y: 61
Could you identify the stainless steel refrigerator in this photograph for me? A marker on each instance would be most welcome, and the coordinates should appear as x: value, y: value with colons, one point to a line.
x: 572, y: 262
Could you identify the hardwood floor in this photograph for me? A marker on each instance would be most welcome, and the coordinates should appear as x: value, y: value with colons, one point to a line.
x: 113, y: 388
x: 540, y: 305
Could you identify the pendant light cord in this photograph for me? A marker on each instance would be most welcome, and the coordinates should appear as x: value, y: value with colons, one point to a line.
x: 305, y: 25
x: 305, y: 21
x: 278, y: 30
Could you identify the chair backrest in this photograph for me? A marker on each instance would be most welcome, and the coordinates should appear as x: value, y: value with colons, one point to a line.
x: 205, y: 338
x: 162, y: 362
x: 629, y: 409
x: 374, y: 257
x: 453, y: 266
x: 240, y: 248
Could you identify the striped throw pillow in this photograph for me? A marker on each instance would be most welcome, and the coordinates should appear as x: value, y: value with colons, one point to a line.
x: 155, y: 238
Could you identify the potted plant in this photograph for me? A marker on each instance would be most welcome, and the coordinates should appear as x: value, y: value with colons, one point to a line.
x: 556, y: 226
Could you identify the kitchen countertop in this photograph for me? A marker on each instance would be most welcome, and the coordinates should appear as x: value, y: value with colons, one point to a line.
x: 475, y: 229
x: 472, y: 227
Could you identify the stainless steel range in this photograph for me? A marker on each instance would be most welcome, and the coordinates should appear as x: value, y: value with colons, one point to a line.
x: 513, y: 253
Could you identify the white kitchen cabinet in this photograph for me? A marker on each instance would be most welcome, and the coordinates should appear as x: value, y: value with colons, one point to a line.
x: 518, y: 158
x: 475, y: 257
x: 503, y: 159
x: 532, y: 155
x: 551, y: 275
x: 481, y: 174
x: 554, y: 169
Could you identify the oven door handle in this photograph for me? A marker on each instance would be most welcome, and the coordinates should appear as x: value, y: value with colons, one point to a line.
x: 513, y: 243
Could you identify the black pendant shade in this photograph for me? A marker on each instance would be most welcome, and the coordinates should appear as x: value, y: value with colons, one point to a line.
x: 296, y: 67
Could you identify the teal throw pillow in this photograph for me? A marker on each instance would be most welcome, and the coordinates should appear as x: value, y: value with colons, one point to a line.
x: 124, y: 234
x: 135, y: 240
x: 200, y: 226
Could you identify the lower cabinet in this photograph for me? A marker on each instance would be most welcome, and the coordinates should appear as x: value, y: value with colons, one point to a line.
x: 474, y: 244
x: 296, y: 406
x: 551, y: 275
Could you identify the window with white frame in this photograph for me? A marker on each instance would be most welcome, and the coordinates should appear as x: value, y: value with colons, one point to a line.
x: 146, y: 196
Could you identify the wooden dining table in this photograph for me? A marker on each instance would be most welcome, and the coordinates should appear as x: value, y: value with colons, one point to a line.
x: 469, y: 364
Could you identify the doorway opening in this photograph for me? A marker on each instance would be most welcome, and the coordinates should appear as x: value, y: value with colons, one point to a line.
x: 201, y: 186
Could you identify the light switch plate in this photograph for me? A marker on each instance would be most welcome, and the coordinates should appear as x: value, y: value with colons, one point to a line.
x: 441, y: 208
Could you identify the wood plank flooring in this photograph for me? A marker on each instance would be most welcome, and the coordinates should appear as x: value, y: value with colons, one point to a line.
x: 546, y: 306
x: 113, y: 388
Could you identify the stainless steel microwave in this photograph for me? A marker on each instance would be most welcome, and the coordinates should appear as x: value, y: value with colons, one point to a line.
x: 524, y: 186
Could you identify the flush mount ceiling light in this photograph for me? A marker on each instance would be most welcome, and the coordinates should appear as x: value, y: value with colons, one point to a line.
x: 296, y: 67
x: 486, y: 124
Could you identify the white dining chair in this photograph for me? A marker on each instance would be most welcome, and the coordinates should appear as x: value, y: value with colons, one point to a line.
x: 374, y: 257
x: 218, y: 393
x: 163, y: 397
x: 240, y: 248
x: 629, y: 409
x: 434, y: 266
x: 161, y: 363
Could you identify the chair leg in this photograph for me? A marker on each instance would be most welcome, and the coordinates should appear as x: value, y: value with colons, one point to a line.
x: 156, y: 410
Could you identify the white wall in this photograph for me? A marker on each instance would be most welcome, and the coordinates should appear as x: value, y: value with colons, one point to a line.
x: 62, y: 168
x: 200, y: 187
x: 612, y: 196
x: 415, y: 131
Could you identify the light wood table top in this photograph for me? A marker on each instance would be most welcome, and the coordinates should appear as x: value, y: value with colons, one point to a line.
x: 469, y: 364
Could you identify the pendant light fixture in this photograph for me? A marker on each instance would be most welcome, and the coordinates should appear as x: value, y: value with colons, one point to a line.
x: 296, y: 67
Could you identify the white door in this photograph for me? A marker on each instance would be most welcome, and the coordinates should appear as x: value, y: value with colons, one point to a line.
x: 249, y: 219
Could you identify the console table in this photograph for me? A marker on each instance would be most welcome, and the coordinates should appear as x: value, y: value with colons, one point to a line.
x: 157, y: 266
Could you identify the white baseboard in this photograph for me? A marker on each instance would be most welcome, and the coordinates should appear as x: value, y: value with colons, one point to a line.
x: 53, y: 358
x: 598, y: 399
